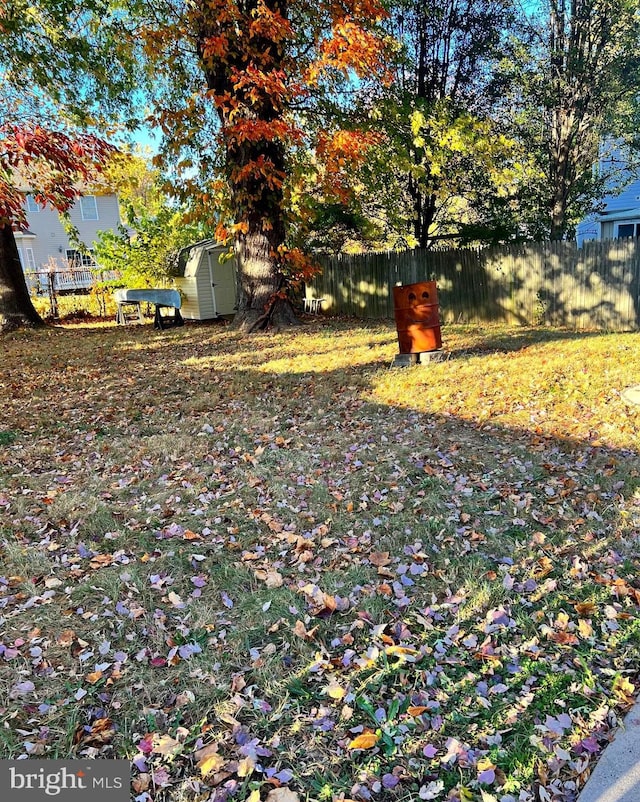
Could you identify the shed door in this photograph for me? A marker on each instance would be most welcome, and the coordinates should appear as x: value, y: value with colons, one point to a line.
x: 224, y: 285
x: 212, y: 282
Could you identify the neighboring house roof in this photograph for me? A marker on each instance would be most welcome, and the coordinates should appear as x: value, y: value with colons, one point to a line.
x: 21, y: 181
x: 618, y: 214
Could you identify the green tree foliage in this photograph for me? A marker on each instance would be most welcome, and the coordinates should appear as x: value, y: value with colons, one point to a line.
x: 444, y: 145
x: 575, y: 91
x: 155, y: 227
x: 496, y: 123
x: 451, y: 168
x: 144, y: 250
x: 62, y: 65
x: 68, y: 60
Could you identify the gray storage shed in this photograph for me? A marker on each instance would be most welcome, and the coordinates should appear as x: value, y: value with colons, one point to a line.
x: 208, y: 286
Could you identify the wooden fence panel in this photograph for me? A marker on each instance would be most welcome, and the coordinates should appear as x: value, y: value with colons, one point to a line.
x: 596, y: 286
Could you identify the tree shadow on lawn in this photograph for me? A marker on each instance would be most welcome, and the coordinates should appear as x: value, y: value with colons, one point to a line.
x: 524, y: 640
x: 484, y: 340
x: 504, y: 561
x: 517, y: 340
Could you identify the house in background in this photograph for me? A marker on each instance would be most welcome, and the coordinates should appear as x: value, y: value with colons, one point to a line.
x: 45, y: 245
x: 619, y: 217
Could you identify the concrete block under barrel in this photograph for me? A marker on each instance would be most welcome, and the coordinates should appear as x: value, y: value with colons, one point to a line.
x: 417, y: 315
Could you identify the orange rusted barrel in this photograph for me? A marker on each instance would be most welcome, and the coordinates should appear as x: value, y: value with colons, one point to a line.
x: 417, y: 316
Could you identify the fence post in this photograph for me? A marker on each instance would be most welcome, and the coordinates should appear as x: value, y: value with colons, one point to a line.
x: 51, y: 289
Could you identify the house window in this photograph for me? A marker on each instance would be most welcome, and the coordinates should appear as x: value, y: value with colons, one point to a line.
x: 628, y: 230
x: 32, y: 204
x: 89, y: 207
x: 76, y: 259
x: 21, y: 255
x: 31, y: 259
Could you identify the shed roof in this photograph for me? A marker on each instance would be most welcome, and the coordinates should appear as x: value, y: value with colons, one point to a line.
x: 185, y: 253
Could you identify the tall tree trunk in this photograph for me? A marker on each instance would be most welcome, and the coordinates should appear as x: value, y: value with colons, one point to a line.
x: 432, y: 59
x: 259, y: 204
x: 16, y: 309
x: 560, y: 128
x: 260, y: 284
x: 255, y: 163
x: 425, y: 206
x: 560, y: 159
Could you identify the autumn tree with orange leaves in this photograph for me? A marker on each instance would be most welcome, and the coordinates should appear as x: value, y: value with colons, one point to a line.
x: 267, y: 66
x: 65, y: 77
x: 57, y: 164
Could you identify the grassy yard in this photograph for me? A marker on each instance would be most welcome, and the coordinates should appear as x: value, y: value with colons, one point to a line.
x: 273, y: 568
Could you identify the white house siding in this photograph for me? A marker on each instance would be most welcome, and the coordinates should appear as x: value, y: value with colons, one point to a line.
x: 48, y: 239
x: 622, y: 206
x: 629, y: 198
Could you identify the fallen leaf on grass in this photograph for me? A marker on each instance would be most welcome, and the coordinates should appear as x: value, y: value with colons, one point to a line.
x: 335, y: 691
x: 22, y: 688
x: 78, y: 646
x: 379, y: 558
x: 321, y: 604
x: 209, y: 760
x: 402, y: 651
x: 141, y: 782
x: 486, y: 771
x: 623, y: 689
x: 246, y: 767
x: 175, y: 599
x: 564, y: 638
x: 282, y: 795
x: 272, y: 579
x: 101, y: 732
x: 66, y: 637
x: 365, y: 741
x: 545, y: 566
x: 302, y: 632
x: 100, y: 561
x: 166, y: 745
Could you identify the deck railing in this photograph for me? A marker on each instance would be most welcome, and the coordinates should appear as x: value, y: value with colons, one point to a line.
x: 68, y: 280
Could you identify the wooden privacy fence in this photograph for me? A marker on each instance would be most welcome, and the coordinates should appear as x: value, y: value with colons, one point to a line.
x: 595, y: 286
